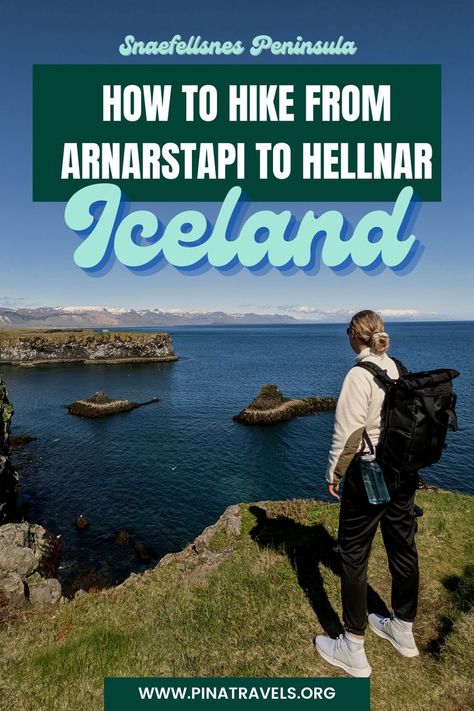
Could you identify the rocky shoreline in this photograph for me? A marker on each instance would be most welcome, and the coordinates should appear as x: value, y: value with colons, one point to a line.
x: 29, y: 555
x: 8, y: 475
x: 32, y: 348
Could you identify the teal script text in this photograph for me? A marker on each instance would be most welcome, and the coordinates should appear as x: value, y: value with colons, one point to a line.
x: 139, y: 240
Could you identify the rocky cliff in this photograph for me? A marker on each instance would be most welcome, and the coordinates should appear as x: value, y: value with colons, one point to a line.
x: 246, y: 599
x: 8, y: 475
x: 29, y: 554
x: 74, y: 346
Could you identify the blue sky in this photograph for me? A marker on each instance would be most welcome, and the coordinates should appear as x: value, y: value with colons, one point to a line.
x: 36, y: 247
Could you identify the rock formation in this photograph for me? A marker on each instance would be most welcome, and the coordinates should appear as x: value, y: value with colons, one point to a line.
x: 121, y: 537
x: 142, y: 552
x: 100, y: 405
x: 81, y: 522
x: 270, y: 406
x: 8, y: 474
x: 29, y: 555
x: 21, y: 440
x: 82, y: 346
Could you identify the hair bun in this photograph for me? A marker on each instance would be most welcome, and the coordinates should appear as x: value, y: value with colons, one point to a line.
x: 379, y: 341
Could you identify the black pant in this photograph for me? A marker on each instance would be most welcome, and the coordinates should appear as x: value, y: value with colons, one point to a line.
x: 358, y: 523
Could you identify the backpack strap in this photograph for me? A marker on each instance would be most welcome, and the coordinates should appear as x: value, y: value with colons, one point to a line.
x: 382, y: 375
x: 402, y: 369
x: 368, y: 442
x: 386, y: 380
x: 377, y: 372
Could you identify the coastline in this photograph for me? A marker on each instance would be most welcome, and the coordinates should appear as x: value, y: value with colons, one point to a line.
x: 43, y: 347
x: 81, y: 471
x: 263, y: 577
x: 89, y: 361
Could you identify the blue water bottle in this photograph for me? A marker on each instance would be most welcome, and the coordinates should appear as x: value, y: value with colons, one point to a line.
x: 374, y: 480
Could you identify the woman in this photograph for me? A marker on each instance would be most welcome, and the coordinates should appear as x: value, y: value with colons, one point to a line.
x: 358, y: 412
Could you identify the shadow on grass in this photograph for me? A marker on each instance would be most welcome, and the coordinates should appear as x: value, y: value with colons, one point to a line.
x: 308, y: 548
x: 461, y: 590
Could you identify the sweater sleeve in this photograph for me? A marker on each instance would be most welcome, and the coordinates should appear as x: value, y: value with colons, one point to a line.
x: 349, y: 423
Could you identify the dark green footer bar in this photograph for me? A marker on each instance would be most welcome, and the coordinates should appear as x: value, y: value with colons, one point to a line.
x: 194, y: 694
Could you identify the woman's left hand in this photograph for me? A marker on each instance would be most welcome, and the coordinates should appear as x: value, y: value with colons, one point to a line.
x: 333, y: 490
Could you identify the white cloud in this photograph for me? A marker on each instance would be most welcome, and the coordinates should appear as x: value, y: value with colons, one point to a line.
x: 312, y: 313
x: 398, y: 313
x: 12, y: 302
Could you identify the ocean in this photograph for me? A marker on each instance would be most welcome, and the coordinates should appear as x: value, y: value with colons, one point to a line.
x: 166, y: 471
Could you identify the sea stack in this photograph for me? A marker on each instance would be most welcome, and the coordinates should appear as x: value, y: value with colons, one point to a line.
x: 270, y: 407
x: 100, y: 405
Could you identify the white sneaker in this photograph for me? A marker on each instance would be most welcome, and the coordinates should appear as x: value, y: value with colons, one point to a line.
x: 338, y: 653
x: 398, y: 633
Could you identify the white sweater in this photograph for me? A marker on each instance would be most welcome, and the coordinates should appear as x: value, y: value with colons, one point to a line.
x: 359, y: 407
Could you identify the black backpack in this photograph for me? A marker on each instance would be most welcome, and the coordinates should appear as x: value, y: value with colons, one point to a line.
x: 418, y: 410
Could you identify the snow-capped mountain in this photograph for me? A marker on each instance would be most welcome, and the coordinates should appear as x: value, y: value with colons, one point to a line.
x: 99, y: 316
x: 120, y: 317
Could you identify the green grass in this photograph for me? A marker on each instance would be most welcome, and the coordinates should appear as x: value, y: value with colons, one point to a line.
x: 254, y: 613
x: 9, y: 335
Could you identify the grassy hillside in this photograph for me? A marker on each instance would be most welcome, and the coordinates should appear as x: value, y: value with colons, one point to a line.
x: 250, y: 605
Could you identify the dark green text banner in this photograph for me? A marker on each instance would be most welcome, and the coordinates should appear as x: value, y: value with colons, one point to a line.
x: 202, y: 694
x: 357, y: 156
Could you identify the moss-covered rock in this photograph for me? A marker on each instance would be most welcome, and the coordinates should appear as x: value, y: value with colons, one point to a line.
x: 100, y: 405
x: 270, y: 406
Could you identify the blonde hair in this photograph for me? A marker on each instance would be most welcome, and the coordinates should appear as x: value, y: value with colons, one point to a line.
x: 368, y: 327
